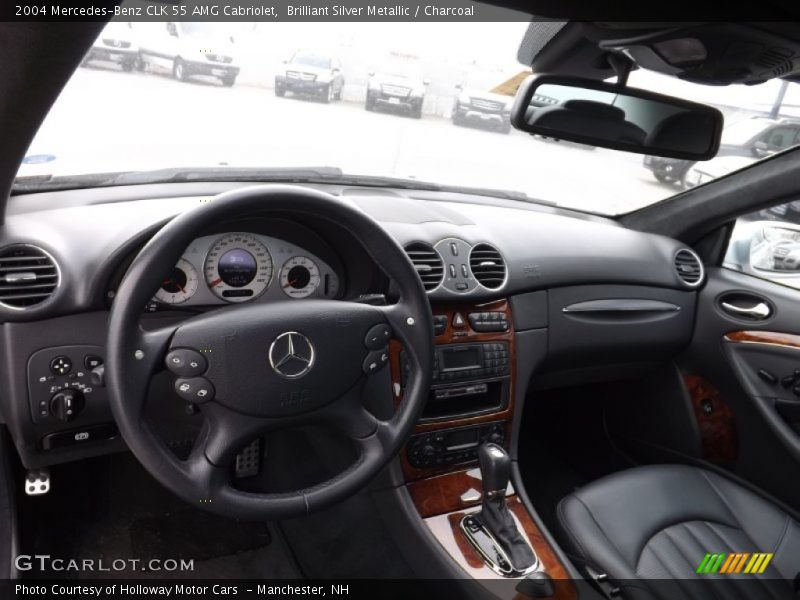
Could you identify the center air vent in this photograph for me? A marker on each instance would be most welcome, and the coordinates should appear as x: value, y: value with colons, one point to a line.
x: 28, y: 276
x: 487, y: 266
x: 689, y: 267
x: 428, y: 264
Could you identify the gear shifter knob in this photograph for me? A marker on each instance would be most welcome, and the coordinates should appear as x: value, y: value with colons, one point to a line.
x: 495, y: 464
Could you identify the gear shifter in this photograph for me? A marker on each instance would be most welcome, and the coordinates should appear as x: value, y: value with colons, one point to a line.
x: 495, y: 467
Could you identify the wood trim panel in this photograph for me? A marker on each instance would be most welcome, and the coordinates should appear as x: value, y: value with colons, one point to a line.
x: 445, y: 528
x: 790, y: 340
x: 715, y: 420
x: 462, y: 335
x: 444, y: 493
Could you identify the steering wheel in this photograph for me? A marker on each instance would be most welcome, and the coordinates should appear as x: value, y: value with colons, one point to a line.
x: 263, y: 367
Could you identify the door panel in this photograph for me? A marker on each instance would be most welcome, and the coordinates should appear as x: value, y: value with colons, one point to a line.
x: 752, y: 360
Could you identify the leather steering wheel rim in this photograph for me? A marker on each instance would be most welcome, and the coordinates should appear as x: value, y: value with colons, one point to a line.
x: 134, y: 355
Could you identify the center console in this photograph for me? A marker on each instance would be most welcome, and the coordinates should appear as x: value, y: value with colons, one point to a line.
x: 470, y: 405
x: 471, y: 398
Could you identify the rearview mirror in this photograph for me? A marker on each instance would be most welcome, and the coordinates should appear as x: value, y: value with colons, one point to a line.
x: 622, y: 118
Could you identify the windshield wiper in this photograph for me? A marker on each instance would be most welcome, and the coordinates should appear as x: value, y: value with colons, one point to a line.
x: 322, y: 175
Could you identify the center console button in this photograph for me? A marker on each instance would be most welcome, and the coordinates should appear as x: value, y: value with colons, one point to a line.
x: 439, y: 324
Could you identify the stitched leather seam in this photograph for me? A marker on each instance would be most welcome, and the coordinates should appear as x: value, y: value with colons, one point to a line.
x: 676, y: 523
x: 563, y: 519
x: 676, y: 577
x: 601, y: 530
x: 782, y: 537
x: 722, y: 499
x: 697, y: 540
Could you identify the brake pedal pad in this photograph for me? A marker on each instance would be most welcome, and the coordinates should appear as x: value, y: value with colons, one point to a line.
x: 37, y: 482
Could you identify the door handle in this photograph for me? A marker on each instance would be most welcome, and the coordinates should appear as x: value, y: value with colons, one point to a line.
x: 759, y: 311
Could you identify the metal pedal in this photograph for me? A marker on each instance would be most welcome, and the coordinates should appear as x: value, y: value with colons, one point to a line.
x: 37, y: 482
x: 248, y: 461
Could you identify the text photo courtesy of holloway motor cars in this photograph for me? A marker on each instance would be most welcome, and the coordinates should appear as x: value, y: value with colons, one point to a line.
x: 491, y: 300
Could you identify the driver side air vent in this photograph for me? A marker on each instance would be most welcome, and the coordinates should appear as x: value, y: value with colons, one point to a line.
x: 28, y: 276
x: 428, y: 264
x: 487, y: 266
x: 689, y: 267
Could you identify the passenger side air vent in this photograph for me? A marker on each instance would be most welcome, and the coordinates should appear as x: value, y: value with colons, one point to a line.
x: 28, y: 276
x: 689, y: 267
x: 428, y: 264
x: 487, y: 266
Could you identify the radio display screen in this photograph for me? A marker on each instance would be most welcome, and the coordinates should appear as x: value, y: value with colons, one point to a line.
x: 458, y: 440
x: 453, y: 359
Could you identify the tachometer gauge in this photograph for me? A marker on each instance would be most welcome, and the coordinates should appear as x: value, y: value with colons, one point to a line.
x: 299, y: 277
x: 238, y: 267
x: 179, y: 285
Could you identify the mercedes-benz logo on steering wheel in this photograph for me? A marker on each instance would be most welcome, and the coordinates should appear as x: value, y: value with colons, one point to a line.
x: 291, y: 355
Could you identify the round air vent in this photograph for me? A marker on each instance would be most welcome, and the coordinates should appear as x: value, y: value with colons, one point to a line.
x: 689, y: 267
x: 487, y: 266
x: 428, y: 264
x: 28, y: 276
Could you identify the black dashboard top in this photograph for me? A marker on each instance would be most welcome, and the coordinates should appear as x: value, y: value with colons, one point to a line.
x: 521, y: 247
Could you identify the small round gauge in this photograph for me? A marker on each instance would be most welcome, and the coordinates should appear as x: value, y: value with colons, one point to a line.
x: 299, y: 277
x: 179, y: 285
x: 238, y: 267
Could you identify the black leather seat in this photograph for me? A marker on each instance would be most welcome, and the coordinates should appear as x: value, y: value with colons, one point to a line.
x: 649, y: 528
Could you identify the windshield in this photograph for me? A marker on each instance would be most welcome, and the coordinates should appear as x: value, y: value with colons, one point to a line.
x: 743, y: 131
x: 311, y: 60
x: 400, y: 69
x: 209, y: 31
x: 161, y: 104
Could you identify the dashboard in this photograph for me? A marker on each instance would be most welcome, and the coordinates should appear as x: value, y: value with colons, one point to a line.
x: 237, y: 266
x: 525, y: 288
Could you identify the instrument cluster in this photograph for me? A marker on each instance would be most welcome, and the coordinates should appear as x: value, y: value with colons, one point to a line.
x: 241, y: 267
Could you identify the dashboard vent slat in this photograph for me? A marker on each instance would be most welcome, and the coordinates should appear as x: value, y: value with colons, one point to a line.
x: 28, y: 276
x: 689, y: 267
x: 488, y: 266
x: 428, y: 263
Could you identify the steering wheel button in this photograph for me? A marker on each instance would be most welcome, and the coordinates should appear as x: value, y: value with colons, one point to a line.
x: 186, y: 362
x: 195, y: 389
x: 375, y: 361
x: 378, y: 336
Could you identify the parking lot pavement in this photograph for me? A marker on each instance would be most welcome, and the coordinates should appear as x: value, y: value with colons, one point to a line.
x: 107, y: 120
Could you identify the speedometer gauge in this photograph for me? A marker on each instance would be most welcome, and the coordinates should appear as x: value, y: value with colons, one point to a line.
x: 238, y: 267
x: 179, y: 285
x: 299, y: 277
